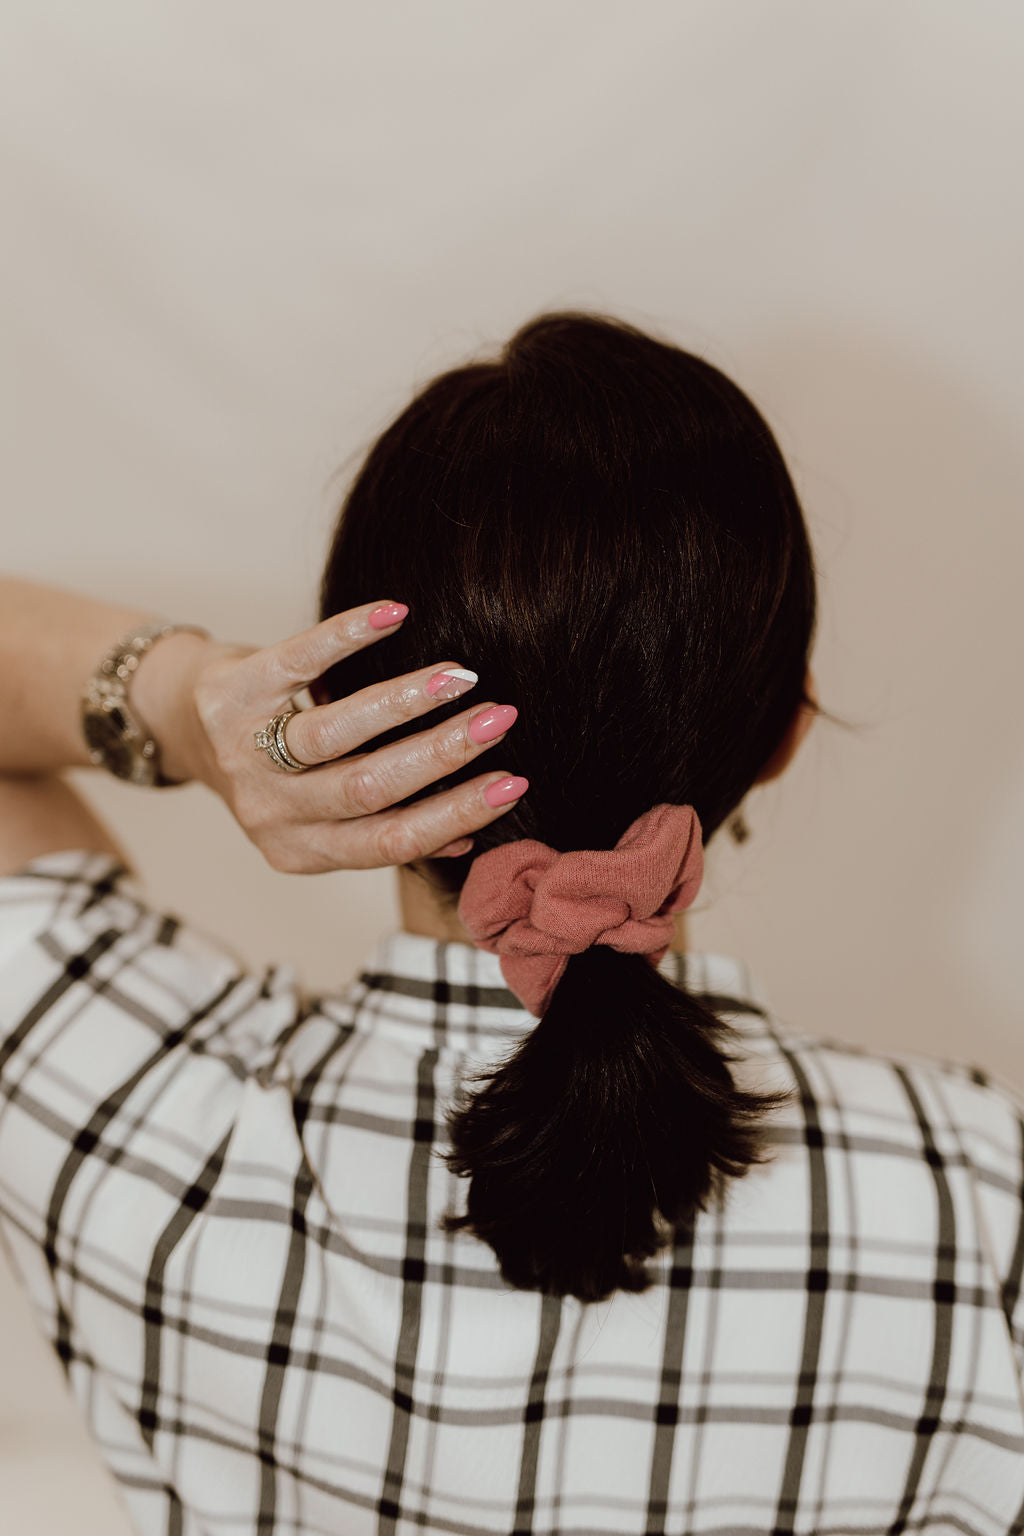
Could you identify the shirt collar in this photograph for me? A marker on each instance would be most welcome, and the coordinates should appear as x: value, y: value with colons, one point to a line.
x: 456, y: 992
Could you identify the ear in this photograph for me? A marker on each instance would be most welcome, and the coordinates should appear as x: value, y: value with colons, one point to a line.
x: 798, y: 727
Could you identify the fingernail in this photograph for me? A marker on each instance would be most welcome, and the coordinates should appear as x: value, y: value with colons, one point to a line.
x: 504, y: 791
x: 492, y: 722
x: 451, y: 683
x: 454, y: 850
x: 386, y: 615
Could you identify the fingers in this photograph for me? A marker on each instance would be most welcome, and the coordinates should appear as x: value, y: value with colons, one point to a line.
x: 334, y: 730
x: 375, y: 781
x: 349, y: 807
x: 422, y: 830
x: 278, y: 670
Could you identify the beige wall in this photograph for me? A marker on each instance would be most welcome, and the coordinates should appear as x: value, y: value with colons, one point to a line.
x: 238, y: 235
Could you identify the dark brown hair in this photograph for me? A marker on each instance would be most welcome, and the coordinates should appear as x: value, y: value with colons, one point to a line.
x: 603, y: 527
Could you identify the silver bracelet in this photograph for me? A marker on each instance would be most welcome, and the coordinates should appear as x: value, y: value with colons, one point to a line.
x: 116, y: 737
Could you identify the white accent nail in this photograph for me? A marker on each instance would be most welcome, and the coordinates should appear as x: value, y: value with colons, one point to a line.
x: 450, y: 683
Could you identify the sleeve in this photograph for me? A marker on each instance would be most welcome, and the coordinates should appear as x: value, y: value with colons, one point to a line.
x: 1003, y: 1195
x: 127, y: 1040
x: 991, y: 1112
x: 134, y: 1056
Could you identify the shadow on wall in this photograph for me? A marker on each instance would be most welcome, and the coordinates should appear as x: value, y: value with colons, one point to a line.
x: 914, y: 491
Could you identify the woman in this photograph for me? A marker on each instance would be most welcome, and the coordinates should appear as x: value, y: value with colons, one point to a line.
x: 543, y: 1224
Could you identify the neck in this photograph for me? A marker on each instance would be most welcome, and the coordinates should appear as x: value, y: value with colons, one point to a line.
x: 424, y: 913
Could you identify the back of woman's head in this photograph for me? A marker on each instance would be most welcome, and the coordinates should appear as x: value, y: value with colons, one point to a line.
x: 602, y: 526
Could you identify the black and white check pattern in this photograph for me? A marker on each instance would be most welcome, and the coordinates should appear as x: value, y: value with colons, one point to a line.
x: 223, y: 1199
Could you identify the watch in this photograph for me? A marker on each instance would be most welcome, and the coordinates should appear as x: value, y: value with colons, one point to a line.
x: 117, y: 739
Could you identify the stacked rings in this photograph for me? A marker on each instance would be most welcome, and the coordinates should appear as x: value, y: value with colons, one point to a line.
x: 271, y: 741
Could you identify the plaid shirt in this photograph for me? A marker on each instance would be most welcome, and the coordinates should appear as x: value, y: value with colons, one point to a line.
x: 222, y: 1197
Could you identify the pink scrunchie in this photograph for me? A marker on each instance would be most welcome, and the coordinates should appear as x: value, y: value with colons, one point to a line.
x: 534, y: 906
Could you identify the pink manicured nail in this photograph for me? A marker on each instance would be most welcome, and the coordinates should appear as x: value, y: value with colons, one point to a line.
x: 451, y: 683
x: 386, y: 615
x: 504, y: 791
x: 492, y: 722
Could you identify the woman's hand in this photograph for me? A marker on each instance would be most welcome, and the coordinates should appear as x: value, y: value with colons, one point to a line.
x: 342, y: 813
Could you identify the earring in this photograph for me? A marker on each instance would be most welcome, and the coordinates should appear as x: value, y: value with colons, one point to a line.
x: 738, y: 828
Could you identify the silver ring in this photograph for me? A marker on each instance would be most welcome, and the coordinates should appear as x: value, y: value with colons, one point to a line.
x: 271, y: 741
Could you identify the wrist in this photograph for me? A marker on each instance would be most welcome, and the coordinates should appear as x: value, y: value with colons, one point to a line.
x: 163, y: 694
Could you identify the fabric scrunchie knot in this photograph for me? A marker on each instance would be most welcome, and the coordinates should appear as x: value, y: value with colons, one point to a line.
x: 535, y: 906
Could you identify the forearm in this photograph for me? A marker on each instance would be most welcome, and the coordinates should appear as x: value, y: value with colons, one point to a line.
x: 50, y: 643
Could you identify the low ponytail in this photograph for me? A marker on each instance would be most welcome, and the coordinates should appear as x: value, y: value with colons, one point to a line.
x: 603, y: 527
x: 614, y: 1122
